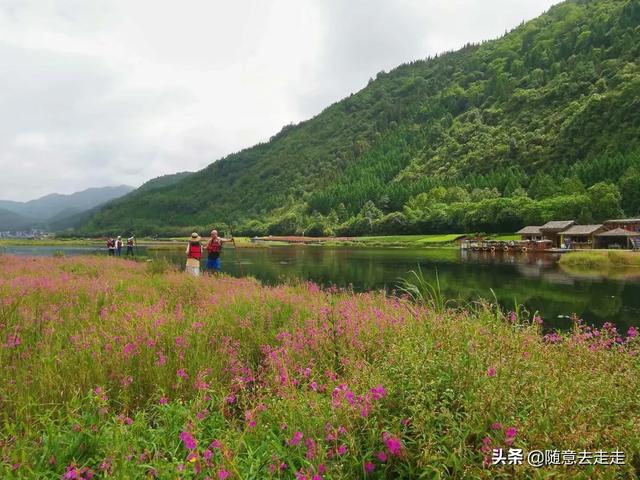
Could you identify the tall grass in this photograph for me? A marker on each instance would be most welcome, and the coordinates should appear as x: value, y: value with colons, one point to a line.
x: 109, y: 370
x: 600, y: 260
x: 422, y: 291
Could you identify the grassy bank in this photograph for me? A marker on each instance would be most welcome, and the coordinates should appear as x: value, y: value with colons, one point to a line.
x: 600, y: 260
x: 50, y: 242
x: 390, y: 241
x: 115, y: 369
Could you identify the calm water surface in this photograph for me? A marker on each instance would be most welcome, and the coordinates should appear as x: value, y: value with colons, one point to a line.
x: 534, y: 281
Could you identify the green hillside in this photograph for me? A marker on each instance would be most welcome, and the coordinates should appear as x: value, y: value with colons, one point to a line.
x: 11, y: 221
x: 164, y: 181
x: 541, y: 123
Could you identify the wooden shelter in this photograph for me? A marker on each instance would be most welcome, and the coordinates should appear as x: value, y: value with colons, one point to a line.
x: 629, y: 224
x: 617, y: 238
x: 553, y: 230
x: 531, y: 233
x: 581, y: 236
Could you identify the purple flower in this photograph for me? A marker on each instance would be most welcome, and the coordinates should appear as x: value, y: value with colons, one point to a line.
x: 496, y: 426
x: 295, y: 440
x: 381, y: 456
x: 369, y: 467
x: 632, y: 332
x: 491, y: 372
x: 188, y: 440
x: 216, y: 444
x: 393, y: 444
x: 71, y: 473
x: 510, y: 435
x: 223, y: 474
x: 342, y: 449
x: 378, y: 392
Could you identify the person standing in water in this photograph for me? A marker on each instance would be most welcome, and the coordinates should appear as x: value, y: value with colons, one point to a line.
x: 214, y: 248
x: 194, y: 254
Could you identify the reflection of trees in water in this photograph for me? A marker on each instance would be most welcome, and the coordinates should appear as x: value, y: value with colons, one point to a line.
x: 532, y: 280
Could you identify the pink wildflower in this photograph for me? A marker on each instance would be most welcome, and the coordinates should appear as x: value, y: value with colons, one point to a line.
x: 13, y: 341
x: 162, y: 359
x: 163, y: 400
x: 71, y: 473
x: 378, y: 392
x: 496, y: 426
x: 393, y: 444
x: 491, y: 372
x: 295, y: 440
x: 369, y: 467
x: 632, y: 332
x: 223, y: 474
x: 216, y: 444
x: 182, y: 374
x: 342, y: 449
x: 381, y: 456
x: 188, y: 440
x: 311, y: 448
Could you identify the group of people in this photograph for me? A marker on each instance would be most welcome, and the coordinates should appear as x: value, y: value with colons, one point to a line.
x: 195, y: 253
x: 114, y: 246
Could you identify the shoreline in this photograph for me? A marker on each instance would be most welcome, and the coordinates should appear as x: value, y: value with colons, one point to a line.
x: 387, y: 241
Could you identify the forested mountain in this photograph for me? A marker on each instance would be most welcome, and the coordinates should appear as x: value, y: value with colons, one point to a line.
x: 12, y: 221
x: 542, y: 123
x: 164, y: 181
x: 56, y: 207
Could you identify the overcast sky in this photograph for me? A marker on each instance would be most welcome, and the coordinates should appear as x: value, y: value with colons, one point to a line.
x: 109, y: 92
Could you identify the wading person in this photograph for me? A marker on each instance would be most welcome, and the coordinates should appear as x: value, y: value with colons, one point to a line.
x: 131, y: 241
x: 194, y: 254
x: 111, y: 246
x: 214, y: 248
x: 119, y: 246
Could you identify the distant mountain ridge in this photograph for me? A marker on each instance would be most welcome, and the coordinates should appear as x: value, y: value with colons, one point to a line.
x: 541, y: 123
x: 56, y: 207
x: 13, y: 221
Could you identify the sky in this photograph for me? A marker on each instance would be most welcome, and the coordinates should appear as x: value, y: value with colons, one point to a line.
x: 110, y: 92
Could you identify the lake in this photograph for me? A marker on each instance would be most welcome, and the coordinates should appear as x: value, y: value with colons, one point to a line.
x: 535, y: 281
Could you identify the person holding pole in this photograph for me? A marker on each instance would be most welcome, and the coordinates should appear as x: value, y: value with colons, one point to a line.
x: 214, y: 248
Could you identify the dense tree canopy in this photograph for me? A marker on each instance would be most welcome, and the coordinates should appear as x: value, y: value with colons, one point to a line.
x: 542, y: 123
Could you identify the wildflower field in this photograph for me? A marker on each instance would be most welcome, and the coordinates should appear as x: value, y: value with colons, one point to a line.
x: 114, y: 369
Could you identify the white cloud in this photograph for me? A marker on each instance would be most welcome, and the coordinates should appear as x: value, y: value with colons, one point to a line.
x: 109, y: 92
